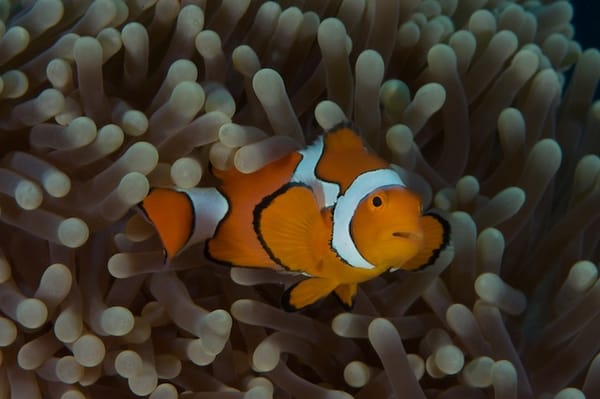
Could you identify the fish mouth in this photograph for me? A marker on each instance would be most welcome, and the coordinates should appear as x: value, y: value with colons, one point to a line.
x: 408, y: 235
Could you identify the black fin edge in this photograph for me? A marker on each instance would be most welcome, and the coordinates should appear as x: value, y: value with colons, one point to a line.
x: 140, y: 207
x: 285, y: 299
x: 257, y: 213
x: 347, y: 308
x: 445, y: 241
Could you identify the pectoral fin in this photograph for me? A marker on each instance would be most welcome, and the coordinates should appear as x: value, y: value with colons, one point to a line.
x: 288, y: 224
x: 346, y: 293
x: 437, y: 237
x: 305, y: 293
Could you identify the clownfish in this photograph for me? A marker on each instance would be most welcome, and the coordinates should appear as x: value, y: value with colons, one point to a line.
x: 333, y: 211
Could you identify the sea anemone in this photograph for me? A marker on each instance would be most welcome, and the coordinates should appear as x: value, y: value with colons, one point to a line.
x: 485, y: 107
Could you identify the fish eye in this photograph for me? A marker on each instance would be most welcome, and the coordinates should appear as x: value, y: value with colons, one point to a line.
x: 377, y: 201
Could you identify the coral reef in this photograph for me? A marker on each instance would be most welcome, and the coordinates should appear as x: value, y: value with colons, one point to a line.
x: 485, y: 107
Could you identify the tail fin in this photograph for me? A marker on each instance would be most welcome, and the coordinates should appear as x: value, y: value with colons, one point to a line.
x: 172, y: 214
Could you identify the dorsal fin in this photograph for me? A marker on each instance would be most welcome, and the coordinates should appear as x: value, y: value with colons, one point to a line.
x: 345, y: 157
x: 344, y: 138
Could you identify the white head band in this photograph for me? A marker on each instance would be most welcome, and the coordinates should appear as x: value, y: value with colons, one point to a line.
x: 345, y: 207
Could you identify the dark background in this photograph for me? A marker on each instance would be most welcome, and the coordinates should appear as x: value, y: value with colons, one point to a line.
x: 587, y: 22
x: 586, y: 19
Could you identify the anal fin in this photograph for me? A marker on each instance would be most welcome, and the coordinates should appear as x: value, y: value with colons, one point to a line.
x: 346, y: 294
x: 305, y: 293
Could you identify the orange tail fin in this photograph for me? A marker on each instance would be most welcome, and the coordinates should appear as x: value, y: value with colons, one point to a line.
x: 172, y: 214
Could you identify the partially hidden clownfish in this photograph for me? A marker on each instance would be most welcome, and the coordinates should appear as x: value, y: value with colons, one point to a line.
x: 333, y: 211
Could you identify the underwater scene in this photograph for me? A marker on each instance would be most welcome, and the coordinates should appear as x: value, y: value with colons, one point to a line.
x: 335, y: 199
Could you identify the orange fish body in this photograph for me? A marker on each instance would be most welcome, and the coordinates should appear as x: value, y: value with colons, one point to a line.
x: 332, y: 211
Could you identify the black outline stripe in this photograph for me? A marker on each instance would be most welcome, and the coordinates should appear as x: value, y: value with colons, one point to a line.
x: 266, y: 201
x: 140, y: 208
x: 335, y: 251
x: 347, y: 308
x: 147, y: 216
x: 206, y: 250
x: 285, y: 299
x: 342, y: 125
x: 193, y: 227
x: 225, y: 217
x: 445, y: 241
